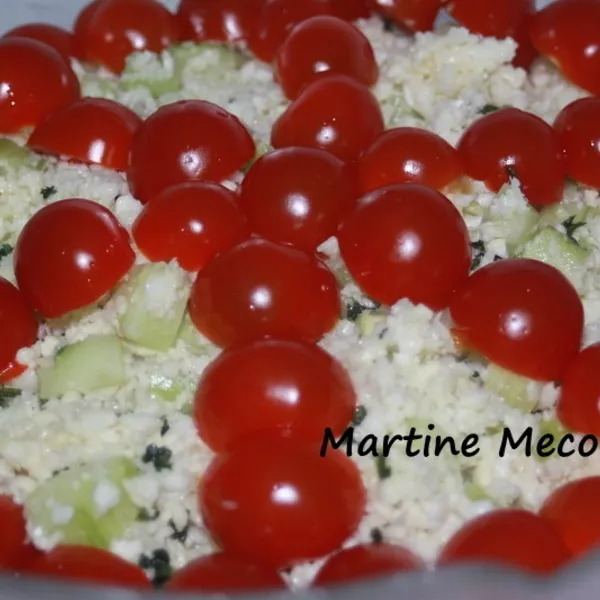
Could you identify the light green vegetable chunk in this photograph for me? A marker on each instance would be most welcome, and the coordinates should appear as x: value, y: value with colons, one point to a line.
x: 510, y: 386
x: 196, y: 343
x: 165, y: 388
x: 12, y: 153
x: 554, y: 428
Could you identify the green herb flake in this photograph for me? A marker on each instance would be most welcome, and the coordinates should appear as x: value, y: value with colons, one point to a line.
x: 571, y: 227
x: 179, y: 534
x: 145, y: 515
x: 489, y: 108
x: 165, y: 426
x: 47, y: 192
x: 7, y: 395
x: 478, y: 254
x: 376, y: 535
x: 160, y: 563
x: 354, y: 309
x: 360, y: 414
x: 159, y: 456
x: 383, y: 469
x: 5, y: 250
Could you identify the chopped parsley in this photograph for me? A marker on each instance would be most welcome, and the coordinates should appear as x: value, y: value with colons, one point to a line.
x: 512, y: 174
x: 47, y: 192
x: 5, y: 250
x: 354, y: 309
x: 383, y: 469
x: 145, y: 515
x: 376, y: 535
x: 159, y: 456
x: 478, y: 253
x: 159, y: 562
x: 571, y: 227
x: 165, y: 426
x: 179, y: 534
x: 360, y: 414
x: 7, y: 395
x: 489, y: 108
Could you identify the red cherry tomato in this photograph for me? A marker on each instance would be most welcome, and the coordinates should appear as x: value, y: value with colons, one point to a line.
x: 19, y: 328
x: 109, y: 30
x: 280, y: 502
x: 221, y: 20
x: 417, y: 15
x: 568, y: 32
x: 91, y: 130
x: 69, y: 254
x: 224, y: 572
x: 60, y: 39
x: 35, y: 81
x: 272, y: 385
x: 573, y: 511
x: 579, y: 403
x: 511, y: 141
x: 190, y: 140
x: 351, y: 10
x: 523, y: 315
x: 89, y: 565
x: 260, y: 289
x: 578, y: 129
x: 508, y: 536
x: 406, y: 241
x: 409, y: 155
x: 318, y: 119
x: 277, y: 18
x: 190, y: 222
x: 509, y: 18
x: 369, y: 560
x: 15, y: 552
x: 286, y: 206
x: 320, y: 46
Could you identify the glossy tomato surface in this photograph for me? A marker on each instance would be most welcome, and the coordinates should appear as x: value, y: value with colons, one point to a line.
x: 260, y: 289
x: 406, y: 241
x: 417, y: 15
x: 272, y: 385
x: 15, y: 551
x: 69, y: 254
x: 91, y: 130
x: 35, y: 81
x: 280, y: 503
x: 351, y: 10
x: 60, y: 39
x: 190, y: 140
x: 297, y: 196
x: 523, y: 315
x: 512, y: 143
x: 324, y: 116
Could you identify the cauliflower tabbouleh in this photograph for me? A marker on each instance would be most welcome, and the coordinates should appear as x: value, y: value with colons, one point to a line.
x: 403, y: 362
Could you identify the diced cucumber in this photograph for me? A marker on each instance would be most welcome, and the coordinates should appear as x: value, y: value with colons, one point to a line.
x: 195, y: 342
x: 555, y: 214
x: 208, y: 58
x: 154, y: 71
x: 155, y: 297
x: 95, y: 363
x: 367, y: 321
x: 555, y: 428
x: 510, y: 386
x: 12, y: 153
x: 86, y: 505
x: 519, y: 229
x: 165, y: 388
x: 475, y: 492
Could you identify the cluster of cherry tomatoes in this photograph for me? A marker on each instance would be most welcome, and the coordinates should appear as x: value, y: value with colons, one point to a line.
x: 262, y: 292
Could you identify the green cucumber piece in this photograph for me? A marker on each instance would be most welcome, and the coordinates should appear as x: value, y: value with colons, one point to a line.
x: 85, y: 505
x: 191, y: 337
x: 475, y: 493
x: 367, y: 321
x: 95, y: 363
x: 12, y: 153
x: 165, y: 388
x: 555, y: 428
x: 520, y: 228
x: 511, y: 387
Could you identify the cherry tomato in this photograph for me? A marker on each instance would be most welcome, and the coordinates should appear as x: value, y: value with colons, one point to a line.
x: 509, y: 18
x: 286, y: 206
x: 279, y: 502
x: 19, y: 329
x: 417, y: 15
x: 568, y: 32
x: 406, y: 241
x: 578, y: 129
x: 260, y: 289
x: 190, y: 140
x: 510, y: 142
x: 91, y: 130
x: 60, y: 39
x: 272, y: 385
x: 109, y: 30
x: 409, y: 155
x: 523, y: 315
x: 221, y: 20
x: 579, y: 403
x: 320, y: 46
x: 89, y: 565
x: 190, y: 222
x: 573, y: 511
x: 351, y: 10
x: 508, y: 536
x: 69, y: 254
x: 15, y: 551
x: 318, y: 119
x: 368, y: 560
x: 35, y: 80
x: 224, y: 572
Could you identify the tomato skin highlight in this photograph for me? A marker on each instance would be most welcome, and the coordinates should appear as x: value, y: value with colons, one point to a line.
x: 367, y: 560
x: 260, y: 289
x: 406, y: 241
x: 110, y: 30
x: 91, y: 130
x: 89, y: 565
x: 511, y: 139
x: 190, y: 140
x: 521, y: 314
x: 60, y: 39
x: 35, y: 81
x: 190, y: 222
x: 408, y: 155
x: 578, y: 129
x: 272, y: 385
x: 19, y: 328
x: 69, y: 254
x: 568, y: 32
x: 324, y: 117
x: 15, y: 551
x: 573, y: 511
x: 491, y: 538
x: 285, y: 206
x: 280, y: 503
